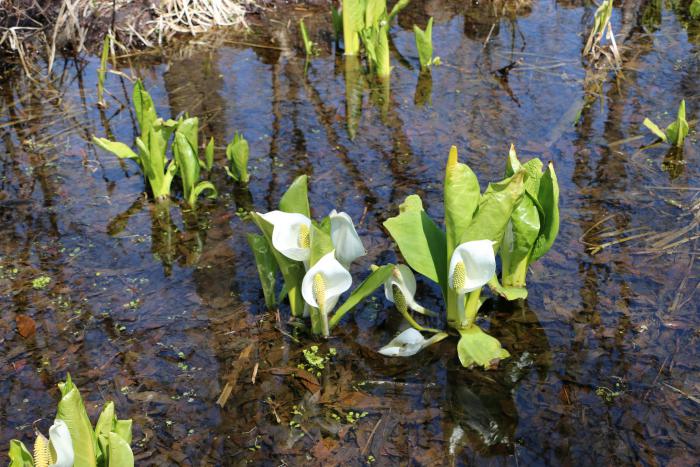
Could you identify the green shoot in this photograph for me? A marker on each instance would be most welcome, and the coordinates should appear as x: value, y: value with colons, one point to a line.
x: 337, y: 19
x: 309, y: 45
x: 424, y: 44
x: 185, y: 152
x: 237, y: 153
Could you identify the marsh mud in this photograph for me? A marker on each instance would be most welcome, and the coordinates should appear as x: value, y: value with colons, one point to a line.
x: 159, y: 308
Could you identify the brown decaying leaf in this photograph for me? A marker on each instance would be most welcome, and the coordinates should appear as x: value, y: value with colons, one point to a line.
x: 26, y: 326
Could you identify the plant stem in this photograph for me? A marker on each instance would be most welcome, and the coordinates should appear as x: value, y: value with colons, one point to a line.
x: 452, y: 309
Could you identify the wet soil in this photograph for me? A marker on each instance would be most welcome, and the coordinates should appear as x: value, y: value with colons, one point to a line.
x: 159, y: 309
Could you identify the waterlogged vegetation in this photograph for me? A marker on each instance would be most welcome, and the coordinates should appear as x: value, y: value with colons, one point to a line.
x: 341, y: 285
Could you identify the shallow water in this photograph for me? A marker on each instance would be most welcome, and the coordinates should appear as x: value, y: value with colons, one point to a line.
x: 158, y: 308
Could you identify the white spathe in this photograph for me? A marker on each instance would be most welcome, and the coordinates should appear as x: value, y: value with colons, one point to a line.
x: 479, y: 265
x: 287, y: 233
x: 347, y: 244
x: 403, y: 278
x: 336, y: 280
x: 62, y: 444
x: 406, y: 344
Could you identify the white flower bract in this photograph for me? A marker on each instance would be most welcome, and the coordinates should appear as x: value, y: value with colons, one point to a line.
x: 336, y: 280
x: 347, y: 244
x: 478, y: 266
x: 288, y: 230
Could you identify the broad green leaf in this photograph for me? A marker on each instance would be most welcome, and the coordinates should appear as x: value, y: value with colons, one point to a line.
x: 421, y: 242
x: 374, y: 11
x: 353, y: 22
x: 120, y: 454
x: 509, y: 293
x: 237, y: 153
x: 518, y: 241
x: 475, y: 347
x: 549, y: 200
x: 72, y: 411
x: 494, y: 211
x: 187, y: 162
x: 461, y: 199
x: 424, y: 44
x: 292, y: 271
x: 375, y: 280
x: 655, y: 129
x: 533, y: 174
x: 411, y: 203
x: 678, y: 130
x: 143, y: 105
x: 105, y: 423
x: 383, y: 51
x: 189, y: 127
x: 296, y: 199
x: 120, y: 150
x: 321, y: 244
x: 123, y: 429
x: 209, y: 155
x: 19, y: 455
x: 267, y: 267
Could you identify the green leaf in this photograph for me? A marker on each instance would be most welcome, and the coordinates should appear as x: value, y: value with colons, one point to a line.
x: 308, y: 43
x: 187, y: 162
x: 549, y: 200
x: 19, y: 455
x: 120, y: 454
x: 374, y: 11
x: 105, y: 423
x: 420, y: 241
x: 72, y: 411
x: 678, y: 130
x: 296, y: 199
x: 321, y: 244
x: 475, y: 347
x: 494, y: 211
x: 267, y: 267
x: 292, y: 271
x: 518, y: 241
x: 144, y: 108
x: 424, y: 44
x: 353, y: 23
x: 461, y: 199
x: 189, y: 127
x: 512, y: 163
x: 209, y: 155
x: 655, y: 129
x: 123, y: 429
x: 509, y: 293
x: 375, y: 280
x: 121, y: 150
x: 237, y: 153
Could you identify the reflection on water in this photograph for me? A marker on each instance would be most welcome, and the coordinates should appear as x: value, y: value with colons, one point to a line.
x: 158, y: 307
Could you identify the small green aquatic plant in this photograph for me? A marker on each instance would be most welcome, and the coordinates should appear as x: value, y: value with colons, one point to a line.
x: 424, y: 45
x: 152, y: 144
x: 313, y: 258
x: 185, y: 150
x: 676, y: 132
x: 601, y: 24
x: 72, y: 439
x: 337, y: 21
x: 237, y: 153
x: 369, y: 20
x: 460, y: 259
x: 694, y: 9
x: 309, y: 45
x: 532, y: 228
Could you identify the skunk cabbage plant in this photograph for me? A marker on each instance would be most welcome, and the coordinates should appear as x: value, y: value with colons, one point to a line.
x: 461, y: 258
x: 424, y: 45
x: 72, y: 440
x: 676, y: 132
x: 152, y: 144
x: 237, y: 153
x: 313, y: 259
x: 532, y: 227
x: 185, y: 150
